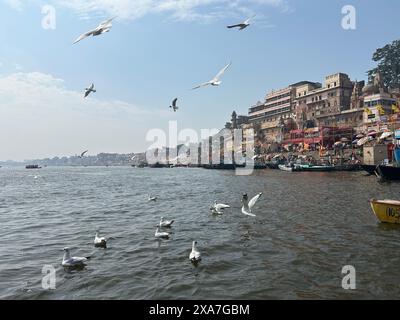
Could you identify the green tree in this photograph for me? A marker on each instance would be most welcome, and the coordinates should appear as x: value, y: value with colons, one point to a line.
x: 388, y: 59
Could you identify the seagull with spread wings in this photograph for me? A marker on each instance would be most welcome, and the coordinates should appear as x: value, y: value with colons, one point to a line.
x: 242, y: 25
x: 89, y: 90
x: 216, y: 81
x: 174, y: 105
x: 103, y: 27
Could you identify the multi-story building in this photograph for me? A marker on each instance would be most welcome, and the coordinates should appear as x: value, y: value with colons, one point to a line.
x: 317, y: 106
x: 276, y: 112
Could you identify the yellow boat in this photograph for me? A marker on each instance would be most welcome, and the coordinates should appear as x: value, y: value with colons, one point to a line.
x: 387, y: 211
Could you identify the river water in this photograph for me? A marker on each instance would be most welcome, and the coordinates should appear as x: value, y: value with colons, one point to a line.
x: 308, y: 226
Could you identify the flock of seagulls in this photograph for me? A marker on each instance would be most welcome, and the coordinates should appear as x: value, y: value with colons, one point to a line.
x: 106, y: 26
x: 194, y: 256
x: 216, y: 208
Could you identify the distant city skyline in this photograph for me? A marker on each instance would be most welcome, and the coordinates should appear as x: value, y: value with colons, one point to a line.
x: 157, y: 51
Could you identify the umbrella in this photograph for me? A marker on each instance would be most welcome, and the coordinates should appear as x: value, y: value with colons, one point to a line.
x: 344, y: 140
x: 386, y: 135
x: 338, y: 143
x: 355, y: 141
x: 359, y: 136
x: 372, y: 133
x: 362, y: 141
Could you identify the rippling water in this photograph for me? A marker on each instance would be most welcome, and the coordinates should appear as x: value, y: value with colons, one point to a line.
x: 308, y: 226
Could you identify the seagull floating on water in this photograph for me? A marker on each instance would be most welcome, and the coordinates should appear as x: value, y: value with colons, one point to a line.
x: 100, y: 241
x: 166, y: 223
x: 89, y: 90
x: 103, y: 27
x: 69, y: 261
x: 174, y: 106
x: 159, y: 235
x: 195, y: 255
x: 216, y: 81
x: 152, y: 198
x: 242, y: 25
x: 248, y: 205
x: 218, y: 207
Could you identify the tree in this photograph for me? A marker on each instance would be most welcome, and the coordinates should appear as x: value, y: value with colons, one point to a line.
x: 388, y: 59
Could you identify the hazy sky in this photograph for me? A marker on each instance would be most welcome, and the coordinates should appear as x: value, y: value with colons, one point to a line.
x: 156, y: 51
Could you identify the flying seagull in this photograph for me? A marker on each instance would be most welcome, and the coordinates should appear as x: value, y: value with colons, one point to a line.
x: 216, y: 81
x: 89, y: 90
x: 100, y: 241
x: 103, y: 27
x: 242, y: 25
x: 69, y: 261
x: 248, y: 205
x: 218, y: 208
x: 83, y: 154
x: 174, y: 106
x: 195, y: 255
x: 166, y: 223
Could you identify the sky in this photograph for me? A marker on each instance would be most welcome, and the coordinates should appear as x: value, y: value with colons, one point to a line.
x: 158, y: 50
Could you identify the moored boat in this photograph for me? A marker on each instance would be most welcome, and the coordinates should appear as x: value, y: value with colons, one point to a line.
x: 316, y: 168
x: 387, y: 211
x: 33, y: 166
x: 388, y: 172
x: 369, y: 168
x: 285, y: 167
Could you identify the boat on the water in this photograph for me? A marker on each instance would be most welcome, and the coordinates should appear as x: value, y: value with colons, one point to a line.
x: 388, y: 172
x: 370, y: 169
x: 289, y: 167
x: 33, y: 166
x: 387, y: 211
x: 316, y: 168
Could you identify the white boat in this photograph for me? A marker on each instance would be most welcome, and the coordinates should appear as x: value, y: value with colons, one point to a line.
x: 285, y: 167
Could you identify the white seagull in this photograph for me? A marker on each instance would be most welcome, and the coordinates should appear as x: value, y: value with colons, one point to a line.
x: 69, y: 261
x: 89, y: 90
x: 103, y: 27
x: 100, y: 241
x: 218, y: 207
x: 195, y: 254
x: 150, y: 198
x: 166, y: 223
x: 216, y: 81
x: 248, y: 205
x: 242, y: 25
x: 160, y: 235
x: 174, y: 106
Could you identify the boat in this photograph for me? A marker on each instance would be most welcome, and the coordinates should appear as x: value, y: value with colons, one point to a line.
x: 370, y: 169
x: 388, y: 172
x: 32, y: 166
x: 286, y: 167
x: 387, y: 211
x: 348, y: 167
x: 223, y: 166
x: 316, y: 168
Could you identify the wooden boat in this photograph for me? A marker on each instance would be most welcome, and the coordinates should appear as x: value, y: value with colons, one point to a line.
x: 285, y: 167
x: 369, y: 168
x: 316, y: 168
x: 347, y: 167
x: 387, y: 211
x: 33, y: 166
x: 388, y: 172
